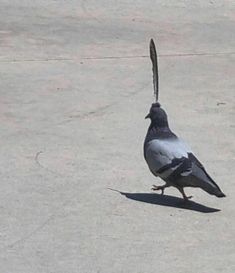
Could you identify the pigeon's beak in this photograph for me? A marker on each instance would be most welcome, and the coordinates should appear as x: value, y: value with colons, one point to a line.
x: 148, y: 116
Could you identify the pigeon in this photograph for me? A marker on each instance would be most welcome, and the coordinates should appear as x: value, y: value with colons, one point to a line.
x: 168, y: 156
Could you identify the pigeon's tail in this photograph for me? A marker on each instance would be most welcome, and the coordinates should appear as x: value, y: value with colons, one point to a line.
x: 216, y: 192
x: 200, y: 178
x: 221, y: 194
x: 211, y: 187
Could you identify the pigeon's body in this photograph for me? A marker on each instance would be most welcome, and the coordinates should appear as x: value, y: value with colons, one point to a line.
x: 163, y: 156
x: 171, y: 159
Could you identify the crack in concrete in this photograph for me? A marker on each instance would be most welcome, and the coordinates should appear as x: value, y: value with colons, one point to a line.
x: 197, y: 54
x: 36, y: 158
x: 99, y: 110
x: 28, y: 236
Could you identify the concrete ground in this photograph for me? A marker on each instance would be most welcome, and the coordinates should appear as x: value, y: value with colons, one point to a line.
x: 76, y: 83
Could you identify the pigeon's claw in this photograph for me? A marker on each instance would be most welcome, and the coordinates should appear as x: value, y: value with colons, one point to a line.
x: 157, y: 188
x: 186, y: 198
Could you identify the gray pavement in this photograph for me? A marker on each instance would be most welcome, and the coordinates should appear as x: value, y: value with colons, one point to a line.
x: 76, y: 83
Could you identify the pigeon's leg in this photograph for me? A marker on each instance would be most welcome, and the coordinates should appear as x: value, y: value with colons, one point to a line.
x: 162, y: 188
x: 186, y: 198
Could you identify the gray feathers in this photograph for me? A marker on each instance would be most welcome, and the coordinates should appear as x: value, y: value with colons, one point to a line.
x: 160, y: 152
x: 168, y: 156
x: 171, y: 159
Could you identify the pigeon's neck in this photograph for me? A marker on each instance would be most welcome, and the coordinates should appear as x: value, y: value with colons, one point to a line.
x: 159, y: 132
x: 156, y: 127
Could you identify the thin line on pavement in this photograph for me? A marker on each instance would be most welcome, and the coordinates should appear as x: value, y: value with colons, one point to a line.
x: 118, y: 57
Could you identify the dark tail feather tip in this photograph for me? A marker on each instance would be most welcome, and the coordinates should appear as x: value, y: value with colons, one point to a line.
x: 221, y: 194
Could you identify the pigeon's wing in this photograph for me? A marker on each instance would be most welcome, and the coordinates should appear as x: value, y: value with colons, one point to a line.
x: 165, y: 156
x: 173, y: 161
x: 192, y: 173
x: 201, y: 174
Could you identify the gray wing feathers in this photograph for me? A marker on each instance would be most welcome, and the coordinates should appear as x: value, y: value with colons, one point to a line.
x: 173, y: 161
x: 161, y: 152
x: 203, y: 179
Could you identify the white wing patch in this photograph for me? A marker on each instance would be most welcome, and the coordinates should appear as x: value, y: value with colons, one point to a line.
x: 161, y: 152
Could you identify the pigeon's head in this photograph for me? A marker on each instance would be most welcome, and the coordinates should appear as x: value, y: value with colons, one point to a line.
x: 157, y: 115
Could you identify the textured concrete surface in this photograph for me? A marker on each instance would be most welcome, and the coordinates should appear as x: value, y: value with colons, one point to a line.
x: 76, y: 83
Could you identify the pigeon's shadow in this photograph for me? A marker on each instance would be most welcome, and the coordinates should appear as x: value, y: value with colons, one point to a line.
x: 168, y: 201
